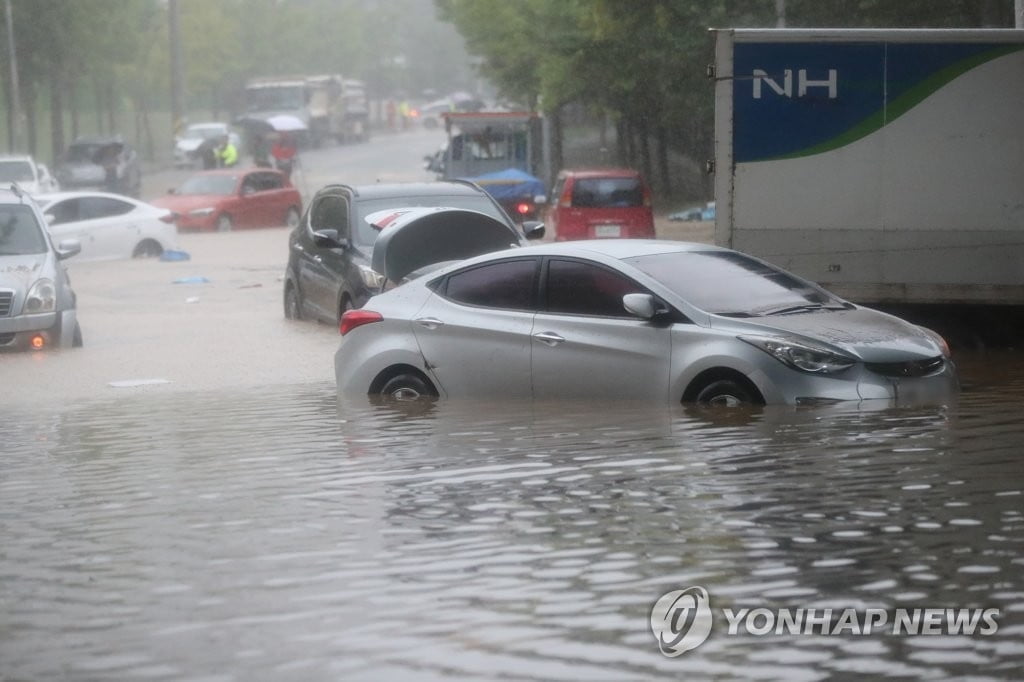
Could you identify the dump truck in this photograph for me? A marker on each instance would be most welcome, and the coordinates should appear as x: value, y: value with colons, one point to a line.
x: 331, y: 107
x: 885, y: 164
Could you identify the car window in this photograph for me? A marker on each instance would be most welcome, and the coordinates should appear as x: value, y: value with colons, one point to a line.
x: 366, y: 234
x: 607, y: 193
x: 263, y: 182
x: 581, y: 288
x: 330, y: 212
x: 506, y: 284
x: 90, y: 208
x: 20, y: 232
x: 16, y: 171
x: 63, y: 211
x: 730, y: 283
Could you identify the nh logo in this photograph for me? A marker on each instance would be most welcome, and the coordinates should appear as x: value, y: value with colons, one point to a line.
x: 802, y: 83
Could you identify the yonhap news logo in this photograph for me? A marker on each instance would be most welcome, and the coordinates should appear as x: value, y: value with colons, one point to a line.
x: 681, y: 620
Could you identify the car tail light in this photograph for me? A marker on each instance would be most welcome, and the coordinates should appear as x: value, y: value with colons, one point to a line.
x: 524, y: 207
x: 351, y: 319
x: 565, y: 201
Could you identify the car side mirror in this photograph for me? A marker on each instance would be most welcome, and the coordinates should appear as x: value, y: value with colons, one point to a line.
x: 329, y: 239
x: 68, y: 248
x: 533, y: 229
x: 644, y: 306
x: 247, y: 190
x: 50, y: 218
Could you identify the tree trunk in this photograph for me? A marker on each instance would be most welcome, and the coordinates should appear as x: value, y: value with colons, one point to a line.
x: 644, y: 141
x: 73, y: 106
x: 663, y: 169
x: 557, y: 144
x: 28, y: 106
x: 56, y: 113
x: 9, y: 107
x: 111, y: 98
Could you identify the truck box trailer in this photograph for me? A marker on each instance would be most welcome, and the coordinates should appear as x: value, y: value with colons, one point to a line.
x: 887, y: 165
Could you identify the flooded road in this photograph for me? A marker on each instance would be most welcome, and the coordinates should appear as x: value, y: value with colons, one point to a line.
x: 278, y: 533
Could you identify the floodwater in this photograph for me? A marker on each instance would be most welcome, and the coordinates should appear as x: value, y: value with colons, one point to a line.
x: 279, y: 534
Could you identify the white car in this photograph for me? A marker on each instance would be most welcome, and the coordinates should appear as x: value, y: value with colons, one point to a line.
x: 187, y: 144
x: 32, y: 177
x: 109, y: 226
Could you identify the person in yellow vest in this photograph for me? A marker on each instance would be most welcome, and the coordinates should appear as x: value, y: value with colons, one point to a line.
x: 228, y: 153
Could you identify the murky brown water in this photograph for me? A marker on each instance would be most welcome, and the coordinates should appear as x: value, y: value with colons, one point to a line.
x: 279, y: 535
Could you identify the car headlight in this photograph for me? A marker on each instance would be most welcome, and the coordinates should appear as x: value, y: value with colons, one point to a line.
x: 201, y: 212
x: 937, y: 338
x: 42, y: 297
x: 801, y: 355
x: 371, y: 278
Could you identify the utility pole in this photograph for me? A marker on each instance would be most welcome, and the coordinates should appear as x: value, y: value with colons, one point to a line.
x: 177, y: 67
x: 780, y: 13
x: 1018, y: 13
x: 15, y: 88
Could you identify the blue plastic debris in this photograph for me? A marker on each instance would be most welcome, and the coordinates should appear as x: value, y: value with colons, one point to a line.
x: 174, y: 255
x: 191, y: 280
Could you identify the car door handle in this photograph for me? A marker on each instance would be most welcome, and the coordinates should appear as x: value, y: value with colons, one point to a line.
x: 298, y: 247
x: 429, y: 322
x: 318, y: 259
x: 550, y: 338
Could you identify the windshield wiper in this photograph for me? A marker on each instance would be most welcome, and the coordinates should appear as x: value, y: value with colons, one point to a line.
x: 792, y: 309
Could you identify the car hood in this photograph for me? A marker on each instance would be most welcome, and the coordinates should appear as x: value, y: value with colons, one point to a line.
x: 414, y: 238
x: 188, y: 144
x: 871, y: 335
x: 184, y: 203
x: 21, y: 272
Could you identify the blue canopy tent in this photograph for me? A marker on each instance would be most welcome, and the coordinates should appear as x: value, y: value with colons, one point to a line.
x: 509, y: 184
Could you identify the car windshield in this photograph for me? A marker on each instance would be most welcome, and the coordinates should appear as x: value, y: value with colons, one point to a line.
x: 203, y: 133
x: 366, y: 234
x: 20, y: 232
x: 84, y: 152
x: 16, y: 171
x: 733, y: 284
x: 223, y: 185
x: 607, y: 193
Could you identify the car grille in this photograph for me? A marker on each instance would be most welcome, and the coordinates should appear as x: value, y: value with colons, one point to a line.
x: 6, y: 339
x: 6, y: 299
x: 914, y: 368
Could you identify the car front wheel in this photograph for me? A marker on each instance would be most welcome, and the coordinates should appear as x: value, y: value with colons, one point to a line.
x: 725, y: 393
x: 292, y: 305
x: 407, y: 387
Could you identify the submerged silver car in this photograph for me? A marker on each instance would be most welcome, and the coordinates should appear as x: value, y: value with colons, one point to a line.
x: 37, y: 305
x: 660, y: 320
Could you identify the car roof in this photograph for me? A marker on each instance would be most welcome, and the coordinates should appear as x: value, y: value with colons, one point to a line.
x: 60, y: 196
x: 8, y: 196
x: 406, y: 189
x: 15, y: 157
x: 600, y: 172
x: 613, y: 248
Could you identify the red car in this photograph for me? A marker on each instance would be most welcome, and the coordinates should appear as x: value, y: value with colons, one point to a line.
x: 600, y: 203
x: 231, y: 198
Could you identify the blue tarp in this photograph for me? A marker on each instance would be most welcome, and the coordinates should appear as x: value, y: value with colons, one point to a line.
x: 510, y: 183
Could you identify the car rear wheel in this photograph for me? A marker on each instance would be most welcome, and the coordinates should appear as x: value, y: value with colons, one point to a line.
x: 147, y: 248
x: 292, y: 304
x: 224, y: 223
x: 291, y: 219
x: 725, y: 393
x: 407, y: 387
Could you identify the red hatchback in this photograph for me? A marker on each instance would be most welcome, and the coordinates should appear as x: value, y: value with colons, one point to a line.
x: 234, y: 197
x: 601, y: 203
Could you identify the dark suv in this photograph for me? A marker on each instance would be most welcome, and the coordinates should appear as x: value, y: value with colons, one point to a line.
x: 107, y: 164
x: 329, y: 255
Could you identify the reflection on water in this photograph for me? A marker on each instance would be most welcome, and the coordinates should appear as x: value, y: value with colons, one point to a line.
x: 282, y: 535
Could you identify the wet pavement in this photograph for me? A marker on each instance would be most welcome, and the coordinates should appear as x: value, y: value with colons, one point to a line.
x: 218, y: 513
x: 278, y: 533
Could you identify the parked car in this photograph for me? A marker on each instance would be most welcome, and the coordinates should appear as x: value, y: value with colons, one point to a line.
x: 31, y: 176
x: 109, y: 225
x: 106, y: 164
x: 624, y: 319
x: 37, y: 304
x: 230, y: 198
x: 329, y: 268
x: 186, y: 145
x: 600, y: 203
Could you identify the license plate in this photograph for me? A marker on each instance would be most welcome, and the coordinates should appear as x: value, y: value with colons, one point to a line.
x: 607, y: 230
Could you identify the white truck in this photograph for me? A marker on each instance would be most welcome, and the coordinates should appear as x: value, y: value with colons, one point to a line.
x: 885, y: 164
x: 332, y: 107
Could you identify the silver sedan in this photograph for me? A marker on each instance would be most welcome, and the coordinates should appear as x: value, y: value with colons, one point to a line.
x: 634, y: 319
